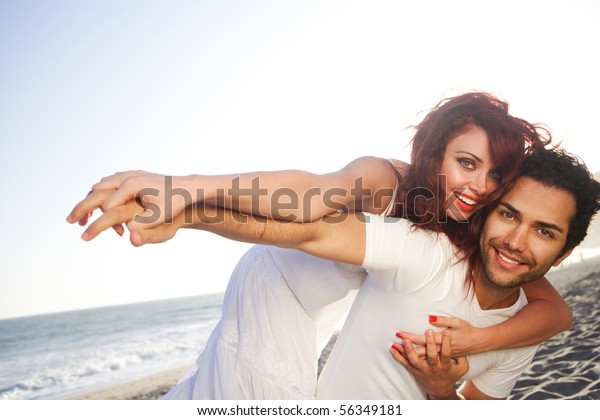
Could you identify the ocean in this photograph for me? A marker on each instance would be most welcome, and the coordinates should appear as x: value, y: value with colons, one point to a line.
x: 56, y: 355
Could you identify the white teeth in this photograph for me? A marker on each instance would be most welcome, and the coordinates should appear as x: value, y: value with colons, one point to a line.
x: 467, y: 200
x: 508, y: 260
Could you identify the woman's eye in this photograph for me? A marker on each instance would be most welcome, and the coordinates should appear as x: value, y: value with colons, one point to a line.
x: 467, y: 163
x: 496, y: 175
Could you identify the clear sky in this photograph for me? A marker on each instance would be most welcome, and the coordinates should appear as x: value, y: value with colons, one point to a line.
x: 180, y: 87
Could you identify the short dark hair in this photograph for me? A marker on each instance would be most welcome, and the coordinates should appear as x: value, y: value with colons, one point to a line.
x: 559, y: 169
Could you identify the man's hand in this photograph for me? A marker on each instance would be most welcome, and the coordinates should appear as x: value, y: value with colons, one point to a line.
x: 438, y: 372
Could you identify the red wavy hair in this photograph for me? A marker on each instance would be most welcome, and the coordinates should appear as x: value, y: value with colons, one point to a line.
x: 420, y: 198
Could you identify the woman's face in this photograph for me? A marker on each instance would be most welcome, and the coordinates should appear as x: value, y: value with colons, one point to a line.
x: 470, y: 173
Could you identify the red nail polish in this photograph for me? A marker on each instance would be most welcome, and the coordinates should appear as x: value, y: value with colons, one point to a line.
x: 432, y: 318
x: 399, y: 335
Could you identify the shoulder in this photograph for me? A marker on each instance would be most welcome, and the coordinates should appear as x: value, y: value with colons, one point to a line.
x: 380, y: 171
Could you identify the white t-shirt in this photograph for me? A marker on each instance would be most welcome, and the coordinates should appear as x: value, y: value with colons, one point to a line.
x: 324, y: 288
x: 412, y: 273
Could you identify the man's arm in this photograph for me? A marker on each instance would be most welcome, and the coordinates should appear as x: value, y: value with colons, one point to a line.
x: 339, y: 237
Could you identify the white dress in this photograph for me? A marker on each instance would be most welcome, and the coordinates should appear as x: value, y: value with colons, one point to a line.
x: 280, y: 308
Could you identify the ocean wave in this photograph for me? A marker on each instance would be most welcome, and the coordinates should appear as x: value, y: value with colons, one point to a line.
x: 105, y: 365
x: 86, y: 363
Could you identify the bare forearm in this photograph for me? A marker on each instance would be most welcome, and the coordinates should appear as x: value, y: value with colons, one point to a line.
x: 365, y: 184
x: 224, y: 222
x: 289, y: 195
x: 338, y: 237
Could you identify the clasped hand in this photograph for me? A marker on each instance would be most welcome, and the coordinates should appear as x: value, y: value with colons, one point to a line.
x: 437, y: 372
x: 118, y: 196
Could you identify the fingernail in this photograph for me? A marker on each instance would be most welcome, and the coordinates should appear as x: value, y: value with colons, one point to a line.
x: 399, y: 335
x: 432, y: 318
x: 85, y: 236
x: 429, y: 333
x: 396, y: 347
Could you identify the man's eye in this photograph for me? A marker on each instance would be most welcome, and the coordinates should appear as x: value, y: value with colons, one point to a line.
x: 546, y: 233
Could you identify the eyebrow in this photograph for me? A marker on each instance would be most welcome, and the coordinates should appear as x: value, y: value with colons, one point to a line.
x: 477, y: 158
x: 538, y: 222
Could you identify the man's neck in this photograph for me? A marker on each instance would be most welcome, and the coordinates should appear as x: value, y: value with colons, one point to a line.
x: 491, y: 296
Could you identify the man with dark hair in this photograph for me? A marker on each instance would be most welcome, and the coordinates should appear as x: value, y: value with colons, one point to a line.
x: 533, y: 227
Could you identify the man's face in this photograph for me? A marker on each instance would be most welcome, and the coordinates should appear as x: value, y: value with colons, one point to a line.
x: 524, y: 235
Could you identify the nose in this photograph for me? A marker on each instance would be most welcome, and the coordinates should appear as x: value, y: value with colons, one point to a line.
x: 516, y: 239
x: 480, y: 183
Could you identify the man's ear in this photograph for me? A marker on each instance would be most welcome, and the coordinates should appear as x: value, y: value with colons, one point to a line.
x: 562, y: 257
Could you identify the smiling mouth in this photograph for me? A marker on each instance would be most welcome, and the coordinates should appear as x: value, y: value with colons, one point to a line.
x: 508, y: 261
x: 465, y: 203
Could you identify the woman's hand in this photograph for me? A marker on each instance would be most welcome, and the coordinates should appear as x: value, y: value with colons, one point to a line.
x: 115, y: 217
x: 162, y: 197
x: 84, y: 209
x: 465, y: 337
x: 438, y: 372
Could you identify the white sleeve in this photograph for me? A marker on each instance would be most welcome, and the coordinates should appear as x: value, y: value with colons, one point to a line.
x: 499, y: 381
x: 385, y: 237
x: 395, y: 249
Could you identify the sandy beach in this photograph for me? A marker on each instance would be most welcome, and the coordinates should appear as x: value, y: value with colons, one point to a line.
x: 147, y: 388
x: 566, y: 366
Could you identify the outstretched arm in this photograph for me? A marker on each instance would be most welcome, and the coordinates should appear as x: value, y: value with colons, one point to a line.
x: 339, y: 237
x: 366, y: 184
